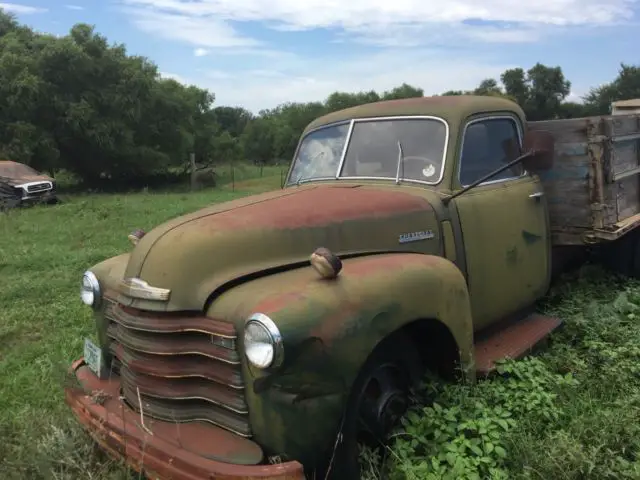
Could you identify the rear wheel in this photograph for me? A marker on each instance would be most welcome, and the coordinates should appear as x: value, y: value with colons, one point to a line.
x: 379, y: 397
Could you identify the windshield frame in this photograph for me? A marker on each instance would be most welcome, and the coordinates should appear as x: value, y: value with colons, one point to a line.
x: 347, y: 142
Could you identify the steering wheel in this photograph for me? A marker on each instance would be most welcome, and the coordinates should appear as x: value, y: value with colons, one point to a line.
x: 420, y: 168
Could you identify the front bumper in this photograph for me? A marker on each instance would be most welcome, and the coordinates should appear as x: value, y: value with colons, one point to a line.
x: 45, y: 197
x: 163, y: 450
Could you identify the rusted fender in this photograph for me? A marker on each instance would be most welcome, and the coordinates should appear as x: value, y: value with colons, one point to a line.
x: 329, y: 328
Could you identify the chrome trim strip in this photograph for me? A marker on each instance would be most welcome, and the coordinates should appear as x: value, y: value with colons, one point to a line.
x: 136, y: 288
x: 344, y: 149
x: 40, y: 182
x: 274, y: 332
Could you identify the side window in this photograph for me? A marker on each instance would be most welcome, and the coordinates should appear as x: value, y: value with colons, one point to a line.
x: 487, y: 145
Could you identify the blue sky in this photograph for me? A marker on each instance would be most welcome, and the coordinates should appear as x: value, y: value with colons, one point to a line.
x: 259, y: 53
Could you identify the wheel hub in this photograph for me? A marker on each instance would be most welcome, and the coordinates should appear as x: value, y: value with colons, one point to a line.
x: 391, y: 407
x: 383, y: 403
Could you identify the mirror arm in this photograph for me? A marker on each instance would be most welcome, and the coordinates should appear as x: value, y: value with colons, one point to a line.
x: 506, y: 166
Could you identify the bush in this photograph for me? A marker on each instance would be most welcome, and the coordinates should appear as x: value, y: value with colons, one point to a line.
x: 570, y: 413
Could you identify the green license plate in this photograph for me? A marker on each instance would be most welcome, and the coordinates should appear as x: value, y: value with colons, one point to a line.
x: 93, y: 356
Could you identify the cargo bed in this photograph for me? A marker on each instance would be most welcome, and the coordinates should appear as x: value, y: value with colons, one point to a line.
x: 593, y: 189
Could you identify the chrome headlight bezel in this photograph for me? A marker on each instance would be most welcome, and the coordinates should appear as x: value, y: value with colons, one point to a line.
x: 273, y: 338
x: 90, y: 291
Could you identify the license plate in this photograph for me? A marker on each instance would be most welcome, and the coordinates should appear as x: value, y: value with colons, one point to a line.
x: 93, y: 356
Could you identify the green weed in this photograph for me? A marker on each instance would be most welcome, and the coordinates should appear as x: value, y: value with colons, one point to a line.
x: 572, y: 412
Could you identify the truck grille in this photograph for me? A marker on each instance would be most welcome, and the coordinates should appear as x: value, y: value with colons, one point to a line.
x: 39, y: 187
x: 178, y: 367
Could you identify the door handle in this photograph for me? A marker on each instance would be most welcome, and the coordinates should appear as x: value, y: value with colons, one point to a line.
x: 536, y: 195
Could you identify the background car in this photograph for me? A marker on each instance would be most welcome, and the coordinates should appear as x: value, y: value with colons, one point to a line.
x: 20, y: 184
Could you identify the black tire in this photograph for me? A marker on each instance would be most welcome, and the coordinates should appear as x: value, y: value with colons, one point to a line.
x: 382, y: 386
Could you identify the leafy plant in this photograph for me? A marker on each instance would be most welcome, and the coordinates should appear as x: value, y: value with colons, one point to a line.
x: 571, y: 412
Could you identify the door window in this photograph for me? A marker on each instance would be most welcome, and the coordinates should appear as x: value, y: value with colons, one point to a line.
x: 487, y: 145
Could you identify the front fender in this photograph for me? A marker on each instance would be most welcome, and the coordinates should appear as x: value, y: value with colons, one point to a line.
x: 330, y: 327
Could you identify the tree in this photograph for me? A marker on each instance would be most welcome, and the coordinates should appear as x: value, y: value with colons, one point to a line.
x: 403, y: 91
x: 515, y: 85
x: 539, y: 92
x: 78, y: 103
x: 488, y: 86
x: 232, y: 119
x: 258, y: 140
x: 625, y: 86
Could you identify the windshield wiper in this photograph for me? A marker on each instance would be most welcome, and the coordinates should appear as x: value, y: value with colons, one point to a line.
x: 400, y: 162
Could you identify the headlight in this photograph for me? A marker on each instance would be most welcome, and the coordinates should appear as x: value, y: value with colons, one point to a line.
x: 263, y: 342
x: 90, y: 289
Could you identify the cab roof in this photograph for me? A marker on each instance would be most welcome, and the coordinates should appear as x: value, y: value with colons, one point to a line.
x: 452, y: 108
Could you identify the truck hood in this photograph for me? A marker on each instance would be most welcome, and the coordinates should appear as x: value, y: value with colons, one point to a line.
x: 196, y: 254
x: 14, y: 173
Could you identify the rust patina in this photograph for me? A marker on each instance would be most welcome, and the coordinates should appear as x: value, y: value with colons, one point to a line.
x: 182, y: 362
x: 164, y: 450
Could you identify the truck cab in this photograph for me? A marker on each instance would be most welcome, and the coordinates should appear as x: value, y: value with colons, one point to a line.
x: 268, y: 336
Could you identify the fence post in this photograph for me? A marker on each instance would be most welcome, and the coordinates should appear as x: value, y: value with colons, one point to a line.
x: 233, y: 176
x: 192, y: 161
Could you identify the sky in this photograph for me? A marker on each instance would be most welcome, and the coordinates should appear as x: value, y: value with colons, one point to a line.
x: 260, y: 53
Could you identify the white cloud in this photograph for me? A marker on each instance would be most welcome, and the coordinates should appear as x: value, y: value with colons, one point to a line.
x: 21, y: 9
x: 203, y: 32
x: 74, y: 7
x: 575, y: 97
x: 412, y: 41
x: 305, y: 79
x: 363, y: 18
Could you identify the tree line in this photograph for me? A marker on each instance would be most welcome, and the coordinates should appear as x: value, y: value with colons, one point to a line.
x: 80, y: 104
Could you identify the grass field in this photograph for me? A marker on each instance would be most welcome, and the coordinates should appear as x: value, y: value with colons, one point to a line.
x: 572, y: 412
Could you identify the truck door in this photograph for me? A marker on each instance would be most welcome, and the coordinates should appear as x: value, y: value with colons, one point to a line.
x: 504, y: 222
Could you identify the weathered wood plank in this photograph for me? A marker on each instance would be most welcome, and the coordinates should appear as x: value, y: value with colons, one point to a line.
x: 624, y: 134
x: 624, y: 156
x: 623, y: 139
x: 595, y: 180
x: 628, y: 196
x: 621, y: 125
x: 567, y: 183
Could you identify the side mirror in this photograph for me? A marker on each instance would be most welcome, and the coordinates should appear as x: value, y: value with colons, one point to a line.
x: 540, y: 145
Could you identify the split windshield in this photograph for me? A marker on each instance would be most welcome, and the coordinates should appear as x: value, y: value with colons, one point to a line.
x: 373, y: 150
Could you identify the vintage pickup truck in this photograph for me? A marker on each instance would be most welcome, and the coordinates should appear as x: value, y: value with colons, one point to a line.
x: 267, y: 336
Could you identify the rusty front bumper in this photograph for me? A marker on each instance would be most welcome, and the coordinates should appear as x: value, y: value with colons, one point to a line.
x: 164, y: 450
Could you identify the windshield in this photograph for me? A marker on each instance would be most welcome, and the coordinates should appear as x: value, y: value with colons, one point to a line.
x: 374, y: 149
x: 319, y: 153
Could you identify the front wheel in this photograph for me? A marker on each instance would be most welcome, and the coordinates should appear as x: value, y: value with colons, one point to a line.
x: 379, y: 397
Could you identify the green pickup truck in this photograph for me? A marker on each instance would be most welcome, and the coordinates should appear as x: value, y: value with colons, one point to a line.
x: 267, y: 337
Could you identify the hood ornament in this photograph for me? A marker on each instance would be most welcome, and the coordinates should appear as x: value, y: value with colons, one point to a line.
x: 135, y: 236
x: 325, y: 263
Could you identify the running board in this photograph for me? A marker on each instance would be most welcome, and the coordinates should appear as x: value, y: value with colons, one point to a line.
x: 513, y: 341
